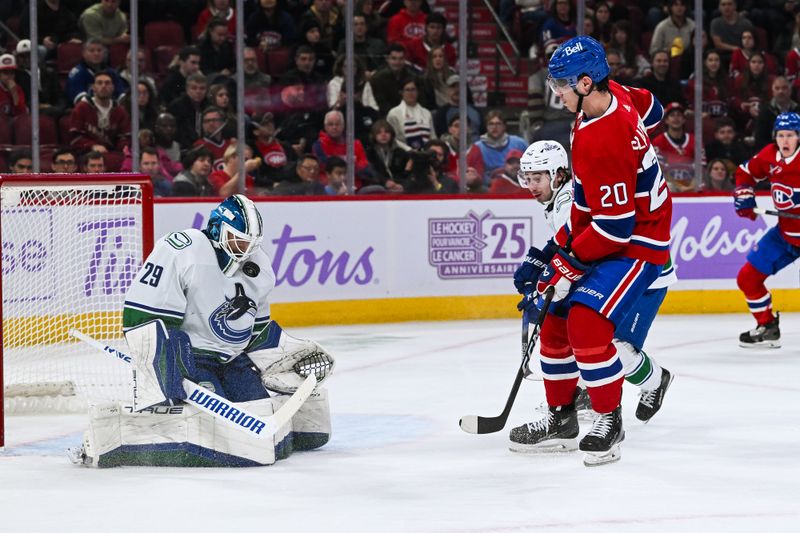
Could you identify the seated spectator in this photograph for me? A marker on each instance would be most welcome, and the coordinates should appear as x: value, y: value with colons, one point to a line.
x: 51, y: 96
x: 368, y: 49
x: 274, y: 154
x: 475, y: 184
x: 64, y: 161
x: 303, y: 73
x: 387, y: 83
x: 715, y: 87
x: 426, y: 175
x: 504, y: 179
x: 634, y: 64
x: 311, y: 36
x: 332, y: 142
x: 407, y: 24
x: 149, y: 164
x: 412, y: 123
x: 489, y: 152
x: 188, y: 110
x: 168, y: 148
x: 327, y: 14
x: 615, y: 63
x: 105, y: 22
x: 658, y: 82
x: 81, y: 77
x: 336, y: 83
x: 453, y: 141
x: 445, y: 165
x: 725, y: 145
x: 166, y: 167
x: 193, y: 179
x: 781, y: 102
x: 98, y: 123
x: 376, y: 25
x: 363, y: 116
x: 144, y: 76
x: 741, y: 56
x: 148, y: 105
x: 674, y: 33
x: 216, y: 51
x: 726, y: 29
x: 444, y: 114
x: 675, y: 150
x: 560, y: 25
x: 254, y: 78
x: 213, y: 138
x: 750, y: 90
x: 336, y: 169
x: 219, y: 97
x: 299, y: 117
x: 225, y: 181
x: 387, y: 157
x: 718, y: 177
x: 304, y: 179
x: 220, y: 9
x: 56, y: 24
x: 12, y: 97
x: 20, y: 161
x: 435, y: 91
x: 94, y: 163
x: 420, y: 48
x: 601, y: 20
x: 270, y: 27
x: 187, y: 63
x: 547, y: 118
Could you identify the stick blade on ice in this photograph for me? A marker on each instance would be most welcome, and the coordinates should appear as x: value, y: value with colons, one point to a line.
x: 469, y: 423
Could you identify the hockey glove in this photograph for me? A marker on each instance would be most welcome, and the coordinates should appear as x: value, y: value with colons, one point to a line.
x: 744, y: 200
x: 531, y: 303
x: 531, y: 268
x: 561, y: 273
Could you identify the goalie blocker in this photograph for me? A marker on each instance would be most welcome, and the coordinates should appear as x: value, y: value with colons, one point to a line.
x: 182, y: 435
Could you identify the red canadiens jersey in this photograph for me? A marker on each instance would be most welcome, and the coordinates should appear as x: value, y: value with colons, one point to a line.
x: 784, y: 179
x: 676, y: 157
x: 622, y: 204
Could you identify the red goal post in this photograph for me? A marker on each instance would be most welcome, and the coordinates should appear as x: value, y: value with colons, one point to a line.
x: 71, y: 246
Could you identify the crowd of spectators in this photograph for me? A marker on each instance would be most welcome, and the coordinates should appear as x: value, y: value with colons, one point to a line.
x: 406, y: 90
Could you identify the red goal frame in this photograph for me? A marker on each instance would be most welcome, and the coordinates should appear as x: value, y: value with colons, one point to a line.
x: 76, y: 179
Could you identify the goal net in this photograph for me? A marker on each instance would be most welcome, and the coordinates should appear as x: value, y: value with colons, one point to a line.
x: 71, y: 246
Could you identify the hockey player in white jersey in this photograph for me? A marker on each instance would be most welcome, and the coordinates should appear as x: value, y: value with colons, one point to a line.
x: 544, y: 171
x: 199, y: 310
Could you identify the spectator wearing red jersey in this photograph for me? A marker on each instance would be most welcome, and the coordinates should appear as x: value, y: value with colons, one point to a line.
x: 715, y: 86
x: 741, y: 56
x: 97, y: 122
x: 216, y: 8
x: 213, y: 138
x: 751, y: 89
x: 504, y: 179
x: 12, y: 97
x: 225, y: 181
x: 420, y: 47
x: 675, y: 150
x: 407, y: 24
x: 274, y: 153
x: 331, y: 143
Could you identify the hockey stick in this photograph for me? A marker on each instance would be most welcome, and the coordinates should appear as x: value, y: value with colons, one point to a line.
x: 217, y: 406
x: 481, y: 424
x: 760, y: 211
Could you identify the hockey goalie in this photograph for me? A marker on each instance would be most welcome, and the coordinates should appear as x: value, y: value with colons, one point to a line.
x: 198, y: 312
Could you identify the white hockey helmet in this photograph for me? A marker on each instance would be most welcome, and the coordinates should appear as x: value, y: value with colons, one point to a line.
x: 542, y: 156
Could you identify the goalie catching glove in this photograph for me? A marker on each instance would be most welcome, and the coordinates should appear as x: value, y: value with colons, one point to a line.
x: 285, y: 361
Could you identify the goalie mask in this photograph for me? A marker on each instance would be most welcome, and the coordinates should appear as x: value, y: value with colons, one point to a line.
x: 235, y: 230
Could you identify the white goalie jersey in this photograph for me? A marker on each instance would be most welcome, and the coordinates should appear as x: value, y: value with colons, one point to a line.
x: 181, y: 283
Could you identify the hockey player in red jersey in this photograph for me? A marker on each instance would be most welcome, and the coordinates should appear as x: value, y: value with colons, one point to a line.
x: 779, y: 163
x: 610, y: 251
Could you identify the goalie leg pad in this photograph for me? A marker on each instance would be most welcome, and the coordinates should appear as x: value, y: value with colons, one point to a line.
x: 178, y: 435
x: 311, y: 425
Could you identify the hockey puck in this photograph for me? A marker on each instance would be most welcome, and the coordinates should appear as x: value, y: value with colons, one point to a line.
x: 251, y: 269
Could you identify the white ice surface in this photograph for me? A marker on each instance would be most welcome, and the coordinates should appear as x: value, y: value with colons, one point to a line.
x: 721, y: 456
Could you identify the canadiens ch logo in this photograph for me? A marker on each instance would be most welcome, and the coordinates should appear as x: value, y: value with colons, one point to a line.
x: 232, y: 322
x: 775, y: 169
x: 783, y: 196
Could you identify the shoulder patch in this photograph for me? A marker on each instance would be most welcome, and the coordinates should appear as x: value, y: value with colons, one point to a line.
x: 178, y: 240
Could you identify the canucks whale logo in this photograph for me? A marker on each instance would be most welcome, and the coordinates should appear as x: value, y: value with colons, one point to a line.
x: 233, y: 321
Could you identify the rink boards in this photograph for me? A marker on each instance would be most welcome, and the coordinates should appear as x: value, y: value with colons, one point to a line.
x: 351, y: 261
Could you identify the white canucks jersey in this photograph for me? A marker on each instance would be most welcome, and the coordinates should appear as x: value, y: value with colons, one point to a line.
x: 182, y: 284
x: 556, y: 211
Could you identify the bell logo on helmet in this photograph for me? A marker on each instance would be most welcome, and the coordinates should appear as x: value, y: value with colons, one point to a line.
x: 569, y: 50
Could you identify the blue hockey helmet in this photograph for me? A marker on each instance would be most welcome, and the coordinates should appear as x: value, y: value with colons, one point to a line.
x: 235, y: 229
x: 578, y: 56
x: 787, y: 121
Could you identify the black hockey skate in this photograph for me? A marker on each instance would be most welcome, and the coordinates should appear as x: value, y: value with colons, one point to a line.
x: 601, y: 444
x: 556, y: 432
x: 766, y: 336
x: 650, y: 400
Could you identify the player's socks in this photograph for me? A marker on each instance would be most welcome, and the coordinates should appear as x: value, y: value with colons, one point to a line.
x: 646, y: 374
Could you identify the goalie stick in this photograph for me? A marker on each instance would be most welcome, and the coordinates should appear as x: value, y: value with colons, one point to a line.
x: 481, y: 424
x: 217, y: 406
x: 760, y: 211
